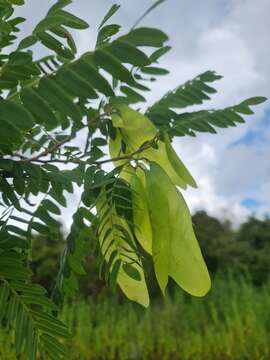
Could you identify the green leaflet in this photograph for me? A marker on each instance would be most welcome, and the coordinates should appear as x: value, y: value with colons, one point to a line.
x: 17, y: 2
x: 132, y: 95
x: 72, y: 21
x: 105, y: 34
x: 58, y: 98
x: 145, y: 36
x: 40, y: 109
x: 7, y: 84
x: 60, y: 17
x: 127, y: 53
x: 60, y: 4
x: 48, y: 23
x: 16, y: 115
x: 86, y: 68
x: 74, y: 84
x: 51, y: 43
x: 109, y: 14
x: 111, y: 64
x: 158, y: 53
x: 254, y: 101
x: 51, y: 207
x: 173, y: 236
x: 4, y: 293
x: 133, y: 289
x: 9, y: 135
x: 27, y: 42
x: 153, y: 70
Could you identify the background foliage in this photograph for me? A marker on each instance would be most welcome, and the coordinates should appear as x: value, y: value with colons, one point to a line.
x: 243, y: 251
x: 230, y: 323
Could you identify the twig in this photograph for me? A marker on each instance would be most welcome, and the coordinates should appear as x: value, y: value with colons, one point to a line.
x: 49, y: 135
x: 47, y: 151
x: 157, y: 3
x: 129, y: 157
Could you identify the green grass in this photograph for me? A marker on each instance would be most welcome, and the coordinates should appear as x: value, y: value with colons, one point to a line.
x: 232, y: 322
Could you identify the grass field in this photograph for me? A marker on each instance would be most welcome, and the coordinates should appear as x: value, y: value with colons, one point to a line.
x: 232, y: 322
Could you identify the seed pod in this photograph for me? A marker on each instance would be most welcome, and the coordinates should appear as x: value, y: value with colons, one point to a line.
x: 143, y: 229
x: 173, y: 236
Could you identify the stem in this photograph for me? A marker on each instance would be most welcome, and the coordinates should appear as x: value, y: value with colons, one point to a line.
x: 47, y: 151
x: 157, y: 3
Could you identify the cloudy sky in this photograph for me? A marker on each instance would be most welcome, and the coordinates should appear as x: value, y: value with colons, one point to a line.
x: 230, y: 36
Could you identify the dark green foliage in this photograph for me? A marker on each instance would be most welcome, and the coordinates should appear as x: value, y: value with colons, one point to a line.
x: 46, y: 250
x: 80, y: 239
x: 253, y: 241
x: 243, y: 250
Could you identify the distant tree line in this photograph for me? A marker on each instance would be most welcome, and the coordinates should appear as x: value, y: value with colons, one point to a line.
x: 246, y: 249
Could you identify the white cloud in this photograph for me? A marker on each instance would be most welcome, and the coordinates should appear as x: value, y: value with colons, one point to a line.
x: 203, y: 161
x: 231, y: 174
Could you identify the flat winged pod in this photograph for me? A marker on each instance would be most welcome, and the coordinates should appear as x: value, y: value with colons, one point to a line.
x: 176, y: 252
x: 141, y: 218
x: 135, y: 130
x: 137, y: 127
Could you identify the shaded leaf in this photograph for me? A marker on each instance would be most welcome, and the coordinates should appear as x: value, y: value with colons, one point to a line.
x: 146, y: 36
x: 109, y: 14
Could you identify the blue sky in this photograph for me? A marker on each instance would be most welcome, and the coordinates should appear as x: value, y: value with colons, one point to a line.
x: 257, y: 136
x: 252, y: 204
x: 231, y: 37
